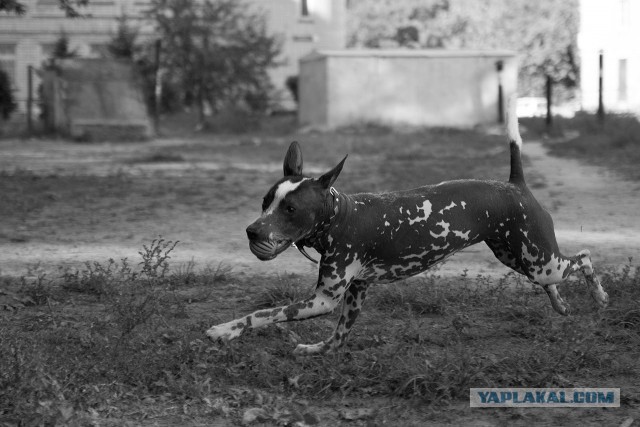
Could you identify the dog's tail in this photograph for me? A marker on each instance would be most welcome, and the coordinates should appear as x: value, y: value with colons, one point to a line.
x: 515, y: 144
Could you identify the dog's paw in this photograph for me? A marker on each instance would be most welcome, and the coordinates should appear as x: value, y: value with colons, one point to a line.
x: 309, y: 349
x: 600, y: 297
x: 223, y: 333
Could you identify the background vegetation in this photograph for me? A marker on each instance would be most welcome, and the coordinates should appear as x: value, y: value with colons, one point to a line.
x: 544, y: 33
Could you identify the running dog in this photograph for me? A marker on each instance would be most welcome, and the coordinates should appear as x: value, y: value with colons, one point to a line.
x: 381, y: 238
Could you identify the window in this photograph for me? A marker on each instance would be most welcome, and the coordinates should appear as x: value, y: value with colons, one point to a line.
x: 622, y: 80
x: 304, y: 8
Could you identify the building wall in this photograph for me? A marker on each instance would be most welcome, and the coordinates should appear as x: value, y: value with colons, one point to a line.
x: 613, y: 28
x: 28, y: 40
x: 323, y: 27
x: 415, y: 87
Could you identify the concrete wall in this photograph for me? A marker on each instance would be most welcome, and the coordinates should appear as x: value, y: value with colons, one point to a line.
x: 415, y: 87
x: 95, y: 99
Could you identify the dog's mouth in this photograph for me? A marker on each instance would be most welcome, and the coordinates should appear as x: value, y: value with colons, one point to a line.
x: 267, y: 250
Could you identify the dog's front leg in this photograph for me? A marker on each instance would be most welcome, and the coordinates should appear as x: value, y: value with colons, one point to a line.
x: 314, y: 306
x: 351, y: 306
x: 328, y: 294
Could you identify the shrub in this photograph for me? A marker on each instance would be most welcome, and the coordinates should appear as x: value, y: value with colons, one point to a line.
x: 7, y: 102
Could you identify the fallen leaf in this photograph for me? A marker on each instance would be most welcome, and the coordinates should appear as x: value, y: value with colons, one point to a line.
x: 357, y: 413
x: 255, y: 414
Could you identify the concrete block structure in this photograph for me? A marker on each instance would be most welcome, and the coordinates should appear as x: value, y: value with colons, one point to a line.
x: 452, y: 88
x: 94, y: 100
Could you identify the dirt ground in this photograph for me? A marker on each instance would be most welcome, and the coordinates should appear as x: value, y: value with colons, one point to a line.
x: 592, y: 208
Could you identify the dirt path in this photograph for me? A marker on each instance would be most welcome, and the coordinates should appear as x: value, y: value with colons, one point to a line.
x: 591, y: 208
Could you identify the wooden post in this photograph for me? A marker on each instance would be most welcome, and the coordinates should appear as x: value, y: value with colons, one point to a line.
x: 499, y: 67
x: 157, y: 93
x: 549, y: 120
x: 30, y: 100
x: 600, y: 88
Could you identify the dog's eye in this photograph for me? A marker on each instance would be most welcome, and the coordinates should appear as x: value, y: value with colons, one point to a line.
x: 291, y: 209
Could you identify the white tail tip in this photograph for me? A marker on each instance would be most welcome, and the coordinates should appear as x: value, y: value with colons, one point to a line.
x: 512, y: 122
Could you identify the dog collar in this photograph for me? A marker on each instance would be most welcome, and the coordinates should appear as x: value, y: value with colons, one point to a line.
x: 319, y: 228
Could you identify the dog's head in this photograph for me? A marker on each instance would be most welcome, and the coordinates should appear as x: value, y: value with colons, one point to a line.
x: 292, y: 207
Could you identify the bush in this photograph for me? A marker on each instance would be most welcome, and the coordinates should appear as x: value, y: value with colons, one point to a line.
x: 217, y: 51
x: 7, y: 103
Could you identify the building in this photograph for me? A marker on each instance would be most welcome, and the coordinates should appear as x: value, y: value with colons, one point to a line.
x: 613, y: 29
x: 29, y: 39
x: 305, y: 25
x: 418, y: 87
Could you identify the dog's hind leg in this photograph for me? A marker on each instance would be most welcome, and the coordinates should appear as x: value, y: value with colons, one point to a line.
x: 557, y: 269
x: 582, y: 262
x: 504, y: 255
x: 549, y: 270
x: 351, y: 306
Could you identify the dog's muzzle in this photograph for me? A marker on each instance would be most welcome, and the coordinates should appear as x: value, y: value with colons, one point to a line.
x: 266, y: 250
x: 262, y: 246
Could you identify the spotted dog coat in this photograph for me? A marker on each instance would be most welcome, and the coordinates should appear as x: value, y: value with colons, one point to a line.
x: 367, y: 238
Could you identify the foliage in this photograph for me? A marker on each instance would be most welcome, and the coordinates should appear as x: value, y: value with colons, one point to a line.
x: 70, y: 7
x: 543, y: 33
x: 218, y: 51
x: 123, y: 44
x: 7, y: 102
x: 62, y: 48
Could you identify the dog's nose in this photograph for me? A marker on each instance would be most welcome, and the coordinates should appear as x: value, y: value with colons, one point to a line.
x: 252, y: 232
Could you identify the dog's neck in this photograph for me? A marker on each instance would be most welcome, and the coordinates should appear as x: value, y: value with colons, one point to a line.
x: 335, y: 204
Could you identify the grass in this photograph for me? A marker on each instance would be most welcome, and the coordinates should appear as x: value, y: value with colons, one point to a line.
x: 613, y: 143
x: 117, y: 342
x: 114, y: 342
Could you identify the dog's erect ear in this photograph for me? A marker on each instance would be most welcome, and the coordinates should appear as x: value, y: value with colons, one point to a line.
x: 330, y: 177
x: 293, y: 160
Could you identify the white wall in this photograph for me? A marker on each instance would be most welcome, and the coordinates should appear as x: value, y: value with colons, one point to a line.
x: 323, y: 28
x: 415, y: 87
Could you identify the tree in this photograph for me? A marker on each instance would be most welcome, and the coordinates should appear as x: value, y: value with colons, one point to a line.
x: 70, y: 7
x: 123, y: 44
x: 217, y: 50
x: 62, y: 48
x: 543, y: 32
x: 7, y: 103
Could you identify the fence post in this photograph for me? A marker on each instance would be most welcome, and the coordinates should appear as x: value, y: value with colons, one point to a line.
x: 600, y: 87
x: 29, y: 100
x: 157, y: 93
x: 549, y: 119
x: 499, y: 67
